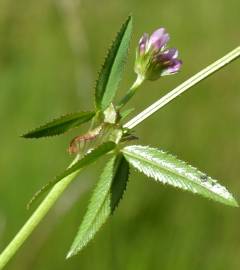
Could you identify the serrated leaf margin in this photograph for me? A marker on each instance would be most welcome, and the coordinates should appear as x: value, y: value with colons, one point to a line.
x: 102, y: 205
x: 104, y: 94
x: 168, y: 169
x: 60, y: 125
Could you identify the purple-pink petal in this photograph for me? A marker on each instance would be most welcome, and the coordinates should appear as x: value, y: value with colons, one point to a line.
x: 168, y: 55
x: 159, y: 38
x: 143, y: 43
x: 173, y: 67
x: 156, y: 35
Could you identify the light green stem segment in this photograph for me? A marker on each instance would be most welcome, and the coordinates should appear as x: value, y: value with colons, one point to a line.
x: 58, y: 189
x: 36, y: 217
x: 203, y: 74
x: 130, y: 92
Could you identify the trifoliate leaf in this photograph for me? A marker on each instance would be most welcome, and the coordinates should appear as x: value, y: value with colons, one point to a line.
x: 169, y: 170
x: 106, y: 196
x: 77, y: 166
x: 60, y: 125
x: 112, y: 69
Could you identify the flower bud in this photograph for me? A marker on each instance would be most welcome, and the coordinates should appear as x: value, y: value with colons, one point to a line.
x: 153, y: 60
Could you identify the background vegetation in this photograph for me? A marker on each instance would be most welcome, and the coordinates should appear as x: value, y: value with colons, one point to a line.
x: 50, y: 53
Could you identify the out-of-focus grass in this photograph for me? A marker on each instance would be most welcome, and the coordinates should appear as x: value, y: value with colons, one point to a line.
x: 50, y: 52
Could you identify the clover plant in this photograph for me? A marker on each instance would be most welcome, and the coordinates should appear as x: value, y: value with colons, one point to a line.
x: 109, y: 136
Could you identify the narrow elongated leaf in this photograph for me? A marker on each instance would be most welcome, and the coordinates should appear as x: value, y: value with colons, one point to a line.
x: 106, y: 196
x: 169, y: 170
x: 60, y: 125
x: 80, y: 164
x: 124, y: 114
x: 89, y: 158
x: 112, y: 69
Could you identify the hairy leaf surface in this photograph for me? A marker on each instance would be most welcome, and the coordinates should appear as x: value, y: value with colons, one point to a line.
x: 60, y: 125
x: 106, y: 196
x: 112, y: 69
x: 169, y: 170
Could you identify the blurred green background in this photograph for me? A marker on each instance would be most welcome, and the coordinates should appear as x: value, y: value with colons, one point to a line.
x: 50, y: 53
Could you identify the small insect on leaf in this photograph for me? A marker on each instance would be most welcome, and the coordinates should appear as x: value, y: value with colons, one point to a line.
x: 60, y: 125
x: 105, y: 199
x: 169, y: 170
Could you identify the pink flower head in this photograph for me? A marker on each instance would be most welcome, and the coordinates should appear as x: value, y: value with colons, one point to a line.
x: 153, y: 59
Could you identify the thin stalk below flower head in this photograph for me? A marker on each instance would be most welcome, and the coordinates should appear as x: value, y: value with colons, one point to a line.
x: 153, y: 58
x: 140, y: 79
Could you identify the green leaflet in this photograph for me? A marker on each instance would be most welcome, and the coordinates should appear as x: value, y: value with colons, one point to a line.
x: 77, y: 166
x: 124, y: 114
x: 88, y: 159
x: 112, y: 69
x: 169, y: 170
x: 106, y: 196
x: 60, y: 125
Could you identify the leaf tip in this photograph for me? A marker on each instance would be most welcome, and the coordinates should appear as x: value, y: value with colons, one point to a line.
x: 69, y: 255
x: 234, y: 203
x: 130, y: 17
x: 74, y: 250
x: 24, y: 136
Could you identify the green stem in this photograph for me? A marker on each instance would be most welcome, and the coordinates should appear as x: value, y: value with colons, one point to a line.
x: 36, y: 217
x: 203, y: 74
x: 130, y: 92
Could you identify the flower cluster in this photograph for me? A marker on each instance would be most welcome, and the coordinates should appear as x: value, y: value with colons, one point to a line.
x: 153, y: 59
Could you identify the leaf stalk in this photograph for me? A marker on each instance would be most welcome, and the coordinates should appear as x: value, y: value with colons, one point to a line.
x: 130, y: 92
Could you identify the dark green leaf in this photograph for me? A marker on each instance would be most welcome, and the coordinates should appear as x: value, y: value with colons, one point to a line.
x: 106, y: 196
x: 77, y: 166
x: 112, y: 69
x: 60, y: 125
x: 169, y: 170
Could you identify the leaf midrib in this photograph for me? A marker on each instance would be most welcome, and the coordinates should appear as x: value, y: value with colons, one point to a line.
x: 92, y: 222
x: 102, y: 204
x: 166, y: 169
x: 114, y: 60
x: 108, y: 79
